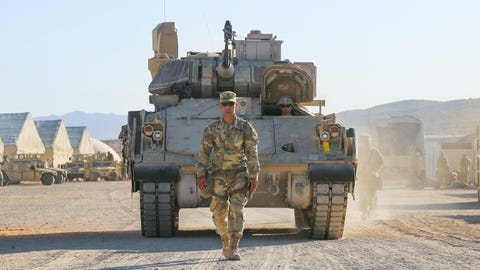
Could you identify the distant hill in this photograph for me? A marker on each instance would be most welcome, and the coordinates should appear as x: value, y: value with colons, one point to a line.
x: 440, y: 119
x: 101, y: 126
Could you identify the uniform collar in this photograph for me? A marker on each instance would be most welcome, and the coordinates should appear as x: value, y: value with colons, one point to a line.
x: 235, y: 123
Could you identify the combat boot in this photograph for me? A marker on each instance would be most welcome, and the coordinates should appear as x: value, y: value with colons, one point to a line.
x: 226, y: 249
x: 235, y: 239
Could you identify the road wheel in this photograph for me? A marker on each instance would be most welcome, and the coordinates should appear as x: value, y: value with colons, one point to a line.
x: 301, y: 218
x: 48, y: 179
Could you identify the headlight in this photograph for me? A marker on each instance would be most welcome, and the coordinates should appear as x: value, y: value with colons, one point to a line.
x: 157, y: 135
x: 324, y: 136
x: 334, y: 131
x: 148, y: 130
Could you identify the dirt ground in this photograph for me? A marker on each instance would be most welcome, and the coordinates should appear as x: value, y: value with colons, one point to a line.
x: 95, y: 225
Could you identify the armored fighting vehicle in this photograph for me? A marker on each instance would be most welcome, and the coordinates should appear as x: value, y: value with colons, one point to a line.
x: 30, y: 168
x: 307, y: 160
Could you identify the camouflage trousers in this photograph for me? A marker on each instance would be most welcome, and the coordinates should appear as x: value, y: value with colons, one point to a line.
x: 228, y: 200
x: 367, y: 188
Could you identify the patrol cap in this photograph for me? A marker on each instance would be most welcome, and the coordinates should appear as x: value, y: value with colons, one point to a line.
x: 228, y: 96
x: 285, y: 100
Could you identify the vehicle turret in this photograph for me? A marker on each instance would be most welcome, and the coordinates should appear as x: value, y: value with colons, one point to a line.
x: 253, y: 68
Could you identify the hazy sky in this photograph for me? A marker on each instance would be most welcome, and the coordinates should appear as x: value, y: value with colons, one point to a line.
x: 58, y: 56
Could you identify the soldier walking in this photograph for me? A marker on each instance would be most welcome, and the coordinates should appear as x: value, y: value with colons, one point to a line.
x: 229, y: 150
x: 443, y: 170
x: 465, y: 162
x: 370, y: 181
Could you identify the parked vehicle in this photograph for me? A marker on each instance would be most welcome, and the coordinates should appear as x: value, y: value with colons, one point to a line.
x: 76, y: 167
x: 30, y: 168
x: 101, y: 166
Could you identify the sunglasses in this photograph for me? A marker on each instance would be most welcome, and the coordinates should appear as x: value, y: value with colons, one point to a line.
x: 229, y: 103
x: 285, y: 105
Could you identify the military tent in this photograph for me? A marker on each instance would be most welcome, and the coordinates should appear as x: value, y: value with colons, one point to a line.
x: 19, y: 134
x: 58, y: 149
x: 80, y: 140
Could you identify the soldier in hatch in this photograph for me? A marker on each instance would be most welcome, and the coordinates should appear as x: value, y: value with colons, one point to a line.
x: 285, y: 104
x: 229, y: 146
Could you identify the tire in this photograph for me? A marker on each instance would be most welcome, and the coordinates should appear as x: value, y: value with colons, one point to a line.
x: 115, y: 176
x: 48, y: 179
x: 60, y: 178
x: 6, y: 180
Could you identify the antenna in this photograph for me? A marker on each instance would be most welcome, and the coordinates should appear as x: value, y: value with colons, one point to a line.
x: 208, y: 30
x: 164, y: 17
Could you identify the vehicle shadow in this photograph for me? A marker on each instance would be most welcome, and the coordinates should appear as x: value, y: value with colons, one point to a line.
x: 437, y: 206
x: 470, y: 219
x: 472, y: 196
x: 133, y: 242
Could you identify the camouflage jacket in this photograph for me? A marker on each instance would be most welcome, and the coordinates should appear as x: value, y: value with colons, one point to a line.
x: 229, y: 147
x: 370, y: 164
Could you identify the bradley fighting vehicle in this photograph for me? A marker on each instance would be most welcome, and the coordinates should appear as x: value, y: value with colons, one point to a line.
x: 307, y: 161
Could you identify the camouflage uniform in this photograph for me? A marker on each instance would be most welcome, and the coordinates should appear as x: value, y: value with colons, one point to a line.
x: 369, y: 180
x: 464, y: 168
x: 229, y: 152
x: 442, y: 171
x: 125, y: 137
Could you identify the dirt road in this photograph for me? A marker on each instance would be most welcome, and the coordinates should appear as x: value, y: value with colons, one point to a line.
x: 96, y: 225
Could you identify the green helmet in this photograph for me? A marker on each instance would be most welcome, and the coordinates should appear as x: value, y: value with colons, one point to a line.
x: 285, y: 100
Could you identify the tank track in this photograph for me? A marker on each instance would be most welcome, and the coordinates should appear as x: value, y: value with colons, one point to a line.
x: 158, y: 209
x: 329, y: 209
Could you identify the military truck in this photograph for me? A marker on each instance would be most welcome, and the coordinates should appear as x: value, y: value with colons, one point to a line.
x: 31, y: 168
x: 401, y: 141
x: 101, y: 166
x: 307, y: 161
x: 76, y: 167
x: 94, y: 167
